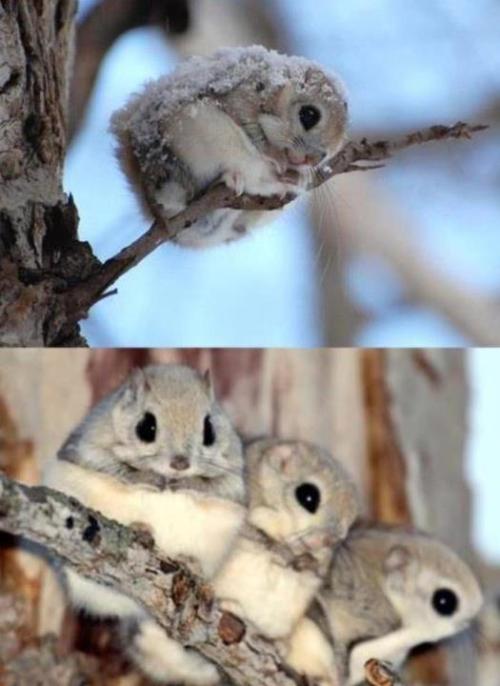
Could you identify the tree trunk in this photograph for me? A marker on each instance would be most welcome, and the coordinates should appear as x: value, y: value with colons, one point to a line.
x: 416, y: 412
x: 39, y: 250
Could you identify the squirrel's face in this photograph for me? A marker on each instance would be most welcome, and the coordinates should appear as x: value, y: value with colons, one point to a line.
x: 317, y: 501
x: 307, y: 122
x: 167, y: 420
x: 431, y: 587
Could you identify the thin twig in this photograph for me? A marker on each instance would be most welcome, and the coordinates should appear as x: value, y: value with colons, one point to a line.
x: 81, y: 298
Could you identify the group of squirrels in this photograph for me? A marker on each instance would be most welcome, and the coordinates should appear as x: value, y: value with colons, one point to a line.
x: 275, y: 527
x: 273, y: 524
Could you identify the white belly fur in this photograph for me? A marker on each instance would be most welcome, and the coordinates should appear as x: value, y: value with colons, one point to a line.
x: 272, y: 597
x: 97, y: 599
x: 182, y: 523
x: 211, y: 143
x: 309, y: 652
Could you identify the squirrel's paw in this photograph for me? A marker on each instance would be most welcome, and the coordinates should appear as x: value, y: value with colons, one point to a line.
x: 165, y: 660
x: 234, y: 180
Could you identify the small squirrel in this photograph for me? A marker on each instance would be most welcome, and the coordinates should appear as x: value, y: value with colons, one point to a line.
x: 159, y: 451
x: 257, y: 120
x: 389, y: 590
x: 301, y: 504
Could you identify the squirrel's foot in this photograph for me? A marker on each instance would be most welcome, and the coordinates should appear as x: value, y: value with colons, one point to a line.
x: 165, y: 660
x: 234, y: 180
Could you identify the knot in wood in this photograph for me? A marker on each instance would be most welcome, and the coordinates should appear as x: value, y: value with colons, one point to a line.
x: 91, y: 533
x: 167, y: 567
x: 144, y: 534
x: 182, y: 585
x: 379, y: 673
x: 205, y: 596
x: 231, y: 629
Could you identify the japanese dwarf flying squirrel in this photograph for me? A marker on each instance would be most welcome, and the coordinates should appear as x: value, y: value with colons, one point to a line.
x: 389, y: 590
x: 161, y: 451
x: 301, y: 505
x: 257, y: 120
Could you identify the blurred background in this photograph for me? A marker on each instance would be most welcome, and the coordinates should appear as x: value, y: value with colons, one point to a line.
x: 482, y: 452
x: 406, y: 255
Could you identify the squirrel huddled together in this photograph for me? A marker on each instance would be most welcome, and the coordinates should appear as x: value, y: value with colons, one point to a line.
x: 274, y: 526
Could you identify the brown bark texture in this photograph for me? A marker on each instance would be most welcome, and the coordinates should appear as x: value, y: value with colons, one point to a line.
x: 417, y: 422
x: 40, y: 254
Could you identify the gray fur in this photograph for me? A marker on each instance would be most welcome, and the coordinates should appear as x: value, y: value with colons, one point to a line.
x: 245, y: 84
x: 177, y: 458
x: 180, y: 399
x: 378, y: 566
x: 276, y: 467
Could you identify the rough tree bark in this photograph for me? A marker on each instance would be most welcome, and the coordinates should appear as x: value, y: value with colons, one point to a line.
x: 39, y: 250
x: 396, y: 419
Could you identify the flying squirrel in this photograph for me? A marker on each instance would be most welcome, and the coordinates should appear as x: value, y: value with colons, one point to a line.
x: 259, y: 121
x: 301, y: 505
x: 389, y: 589
x: 159, y: 451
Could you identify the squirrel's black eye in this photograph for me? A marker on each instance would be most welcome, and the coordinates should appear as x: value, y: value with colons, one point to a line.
x: 445, y: 602
x: 146, y: 428
x: 309, y: 116
x: 308, y: 496
x: 208, y: 431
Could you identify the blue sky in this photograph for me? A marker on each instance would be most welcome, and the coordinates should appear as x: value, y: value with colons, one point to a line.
x: 405, y: 65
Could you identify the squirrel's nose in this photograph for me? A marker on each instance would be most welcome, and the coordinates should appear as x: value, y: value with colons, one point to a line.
x: 179, y: 462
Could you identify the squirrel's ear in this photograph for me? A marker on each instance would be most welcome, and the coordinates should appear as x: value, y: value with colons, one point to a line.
x: 129, y: 396
x: 399, y: 564
x: 310, y: 74
x: 254, y: 450
x: 280, y: 456
x: 207, y: 381
x: 286, y: 94
x: 134, y: 388
x: 397, y: 558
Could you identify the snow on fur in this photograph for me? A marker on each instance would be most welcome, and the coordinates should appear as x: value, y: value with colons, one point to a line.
x: 217, y: 74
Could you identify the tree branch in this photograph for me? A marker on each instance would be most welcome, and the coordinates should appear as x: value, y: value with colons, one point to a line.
x: 175, y: 595
x: 353, y: 157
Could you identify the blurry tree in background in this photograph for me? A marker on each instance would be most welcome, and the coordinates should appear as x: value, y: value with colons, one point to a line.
x: 313, y: 287
x: 397, y: 420
x: 403, y: 256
